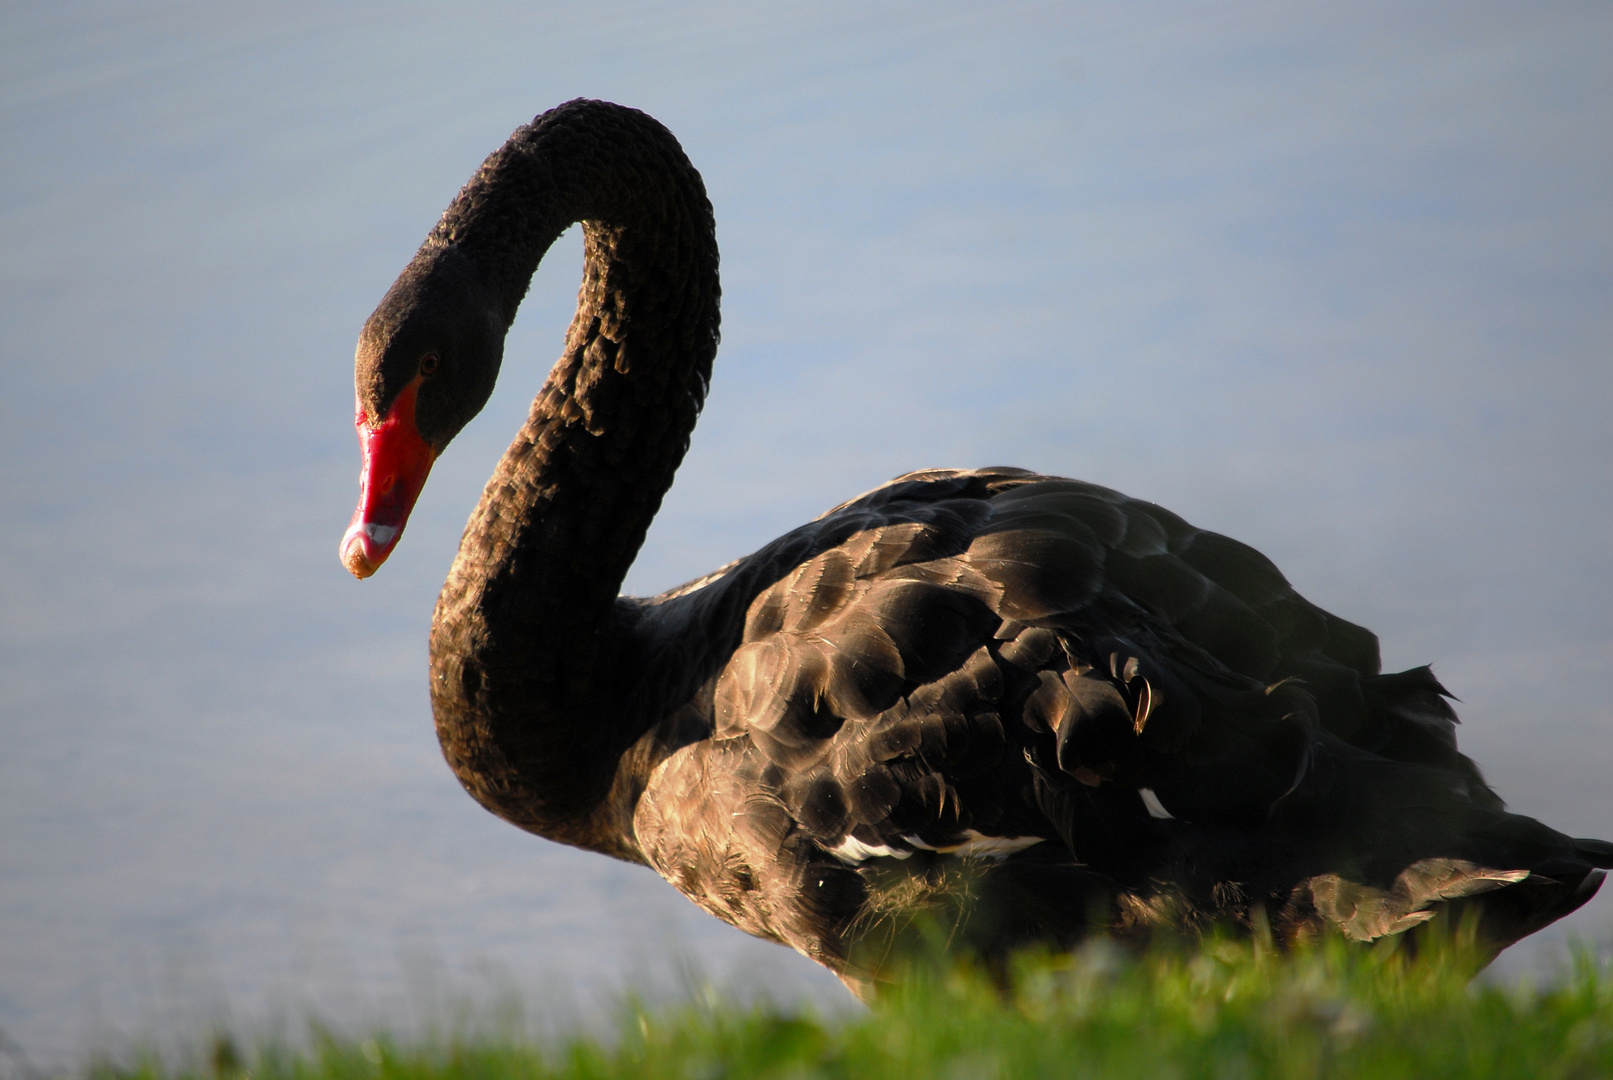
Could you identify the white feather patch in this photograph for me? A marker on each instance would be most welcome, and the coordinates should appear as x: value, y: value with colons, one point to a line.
x: 1156, y: 809
x: 974, y: 845
x: 852, y: 850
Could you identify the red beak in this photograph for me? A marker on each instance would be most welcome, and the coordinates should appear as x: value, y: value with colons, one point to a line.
x: 396, y: 462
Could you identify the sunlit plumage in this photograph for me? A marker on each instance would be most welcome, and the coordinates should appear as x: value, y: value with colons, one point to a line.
x: 1011, y: 708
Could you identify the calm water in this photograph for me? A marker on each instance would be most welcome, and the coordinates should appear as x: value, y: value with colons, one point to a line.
x: 1335, y: 284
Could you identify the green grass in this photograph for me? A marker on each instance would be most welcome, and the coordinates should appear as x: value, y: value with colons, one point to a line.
x: 1225, y: 1010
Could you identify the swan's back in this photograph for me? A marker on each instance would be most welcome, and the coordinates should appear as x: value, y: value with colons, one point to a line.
x: 1029, y: 707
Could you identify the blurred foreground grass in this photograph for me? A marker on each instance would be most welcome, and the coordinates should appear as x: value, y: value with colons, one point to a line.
x: 1227, y: 1009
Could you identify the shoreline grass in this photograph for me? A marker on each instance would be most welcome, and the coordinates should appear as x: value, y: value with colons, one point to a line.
x: 1227, y: 1009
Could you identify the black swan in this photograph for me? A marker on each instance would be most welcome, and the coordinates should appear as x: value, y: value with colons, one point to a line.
x: 1019, y: 708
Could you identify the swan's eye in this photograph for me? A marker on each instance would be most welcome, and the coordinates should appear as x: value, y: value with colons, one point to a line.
x: 428, y: 364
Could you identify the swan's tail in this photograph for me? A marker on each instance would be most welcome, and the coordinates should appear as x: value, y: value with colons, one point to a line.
x: 1516, y: 911
x: 1598, y: 853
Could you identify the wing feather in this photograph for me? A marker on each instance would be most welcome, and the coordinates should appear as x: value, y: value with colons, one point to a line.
x: 963, y: 665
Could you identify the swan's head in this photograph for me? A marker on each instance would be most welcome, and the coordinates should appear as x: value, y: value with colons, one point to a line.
x: 427, y: 360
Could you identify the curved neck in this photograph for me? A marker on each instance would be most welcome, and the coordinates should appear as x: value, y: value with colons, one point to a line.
x: 528, y: 647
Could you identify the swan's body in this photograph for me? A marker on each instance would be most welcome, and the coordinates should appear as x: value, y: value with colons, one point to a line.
x: 1025, y: 707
